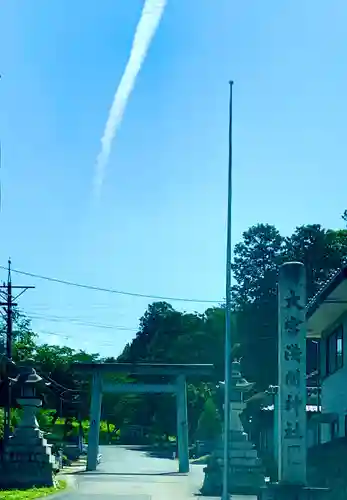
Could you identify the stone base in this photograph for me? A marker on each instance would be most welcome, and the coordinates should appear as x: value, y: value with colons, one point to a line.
x: 245, y: 471
x: 241, y: 482
x: 277, y: 491
x: 16, y: 475
x: 246, y: 475
x: 27, y: 460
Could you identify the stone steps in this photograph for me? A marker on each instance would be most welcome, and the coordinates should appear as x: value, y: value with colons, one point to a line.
x: 36, y: 448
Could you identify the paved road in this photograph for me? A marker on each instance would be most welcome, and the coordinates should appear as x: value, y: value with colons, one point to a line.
x: 128, y: 474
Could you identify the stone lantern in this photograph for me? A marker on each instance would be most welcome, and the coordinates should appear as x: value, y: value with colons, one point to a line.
x: 245, y: 471
x: 239, y: 387
x: 30, y: 385
x: 27, y: 460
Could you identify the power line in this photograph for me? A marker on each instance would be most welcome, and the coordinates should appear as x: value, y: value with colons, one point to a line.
x: 79, y: 307
x: 104, y: 343
x: 111, y: 290
x: 66, y: 319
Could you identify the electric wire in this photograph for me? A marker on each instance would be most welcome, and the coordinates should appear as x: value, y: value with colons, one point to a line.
x: 112, y: 290
x: 66, y: 319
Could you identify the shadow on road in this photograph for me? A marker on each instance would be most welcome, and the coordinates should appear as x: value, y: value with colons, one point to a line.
x: 154, y: 451
x: 160, y: 454
x: 101, y: 473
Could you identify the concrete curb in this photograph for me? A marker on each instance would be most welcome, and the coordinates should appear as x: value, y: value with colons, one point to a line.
x: 71, y: 484
x: 71, y: 481
x: 68, y: 471
x: 59, y: 494
x: 77, y: 466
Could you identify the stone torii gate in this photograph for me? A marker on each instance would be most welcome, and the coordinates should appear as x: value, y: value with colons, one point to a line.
x: 178, y: 372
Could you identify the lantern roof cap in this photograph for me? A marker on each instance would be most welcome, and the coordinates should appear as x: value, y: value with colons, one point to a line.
x: 238, y: 382
x: 28, y: 375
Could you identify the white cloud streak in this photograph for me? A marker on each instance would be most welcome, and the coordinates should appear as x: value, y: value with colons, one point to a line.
x: 149, y: 21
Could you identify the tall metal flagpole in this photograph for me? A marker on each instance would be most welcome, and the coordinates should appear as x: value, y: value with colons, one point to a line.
x: 228, y: 343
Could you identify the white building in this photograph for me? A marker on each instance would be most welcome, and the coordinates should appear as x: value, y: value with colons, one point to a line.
x: 327, y: 323
x: 327, y: 391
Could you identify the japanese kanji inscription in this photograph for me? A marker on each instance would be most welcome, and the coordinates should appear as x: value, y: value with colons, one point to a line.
x: 291, y: 416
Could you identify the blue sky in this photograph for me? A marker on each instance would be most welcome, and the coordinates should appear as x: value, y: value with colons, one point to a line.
x: 159, y: 227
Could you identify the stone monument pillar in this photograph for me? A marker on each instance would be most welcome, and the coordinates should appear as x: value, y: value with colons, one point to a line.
x: 290, y: 410
x: 246, y: 475
x: 27, y: 460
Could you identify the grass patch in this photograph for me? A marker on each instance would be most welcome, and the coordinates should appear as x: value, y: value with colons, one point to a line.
x: 32, y: 493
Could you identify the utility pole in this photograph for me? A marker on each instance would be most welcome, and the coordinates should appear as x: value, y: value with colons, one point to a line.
x: 228, y: 325
x: 6, y: 293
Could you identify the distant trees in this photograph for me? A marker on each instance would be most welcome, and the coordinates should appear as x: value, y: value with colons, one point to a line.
x: 166, y: 335
x: 67, y: 394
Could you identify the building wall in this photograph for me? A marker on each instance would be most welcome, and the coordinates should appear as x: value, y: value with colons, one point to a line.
x: 334, y: 387
x: 312, y: 435
x: 268, y: 441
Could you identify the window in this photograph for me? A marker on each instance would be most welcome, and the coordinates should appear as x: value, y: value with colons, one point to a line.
x: 339, y: 348
x: 334, y: 429
x: 334, y: 358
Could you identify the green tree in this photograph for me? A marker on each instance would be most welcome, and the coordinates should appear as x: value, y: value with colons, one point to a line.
x: 321, y: 251
x: 24, y: 339
x: 257, y: 259
x: 254, y: 299
x: 153, y: 325
x: 166, y: 335
x: 209, y: 425
x: 344, y: 215
x: 170, y: 336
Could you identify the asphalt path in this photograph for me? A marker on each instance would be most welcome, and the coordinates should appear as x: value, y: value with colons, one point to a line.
x: 130, y: 473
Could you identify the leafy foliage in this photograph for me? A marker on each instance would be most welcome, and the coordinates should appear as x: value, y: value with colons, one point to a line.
x: 166, y: 335
x: 344, y: 215
x: 257, y: 259
x: 209, y: 424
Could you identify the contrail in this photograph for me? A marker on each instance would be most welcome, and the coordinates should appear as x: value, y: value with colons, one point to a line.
x: 150, y: 17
